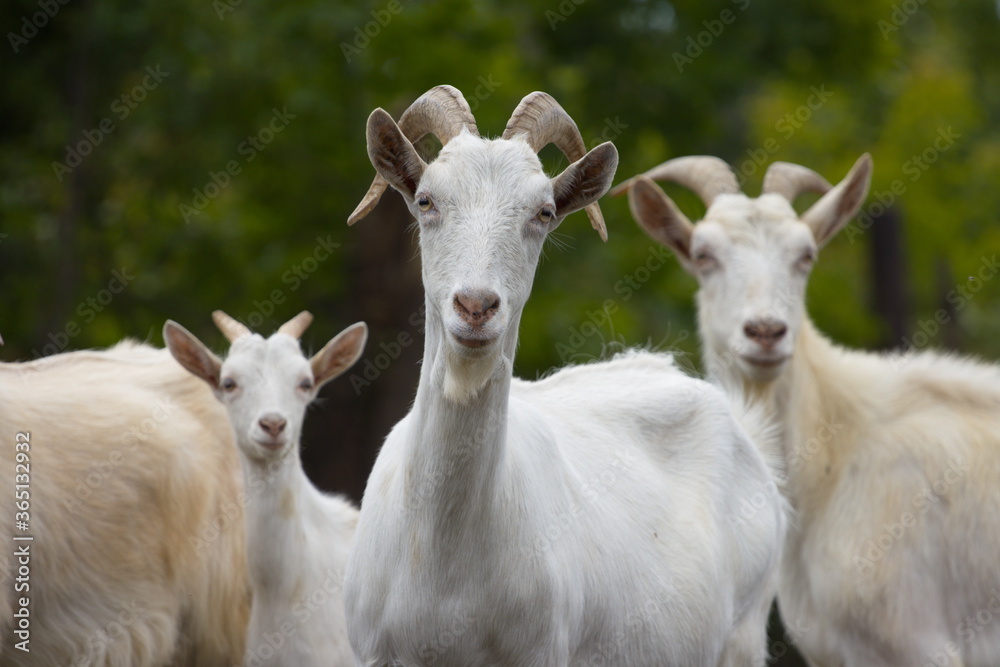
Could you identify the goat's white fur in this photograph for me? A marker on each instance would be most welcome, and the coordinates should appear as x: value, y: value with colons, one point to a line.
x: 134, y: 479
x: 893, y: 460
x: 587, y: 518
x: 298, y: 538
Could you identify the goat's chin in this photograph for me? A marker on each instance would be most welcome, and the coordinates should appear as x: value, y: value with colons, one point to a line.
x: 264, y: 450
x: 474, y: 342
x: 762, y: 370
x: 466, y: 375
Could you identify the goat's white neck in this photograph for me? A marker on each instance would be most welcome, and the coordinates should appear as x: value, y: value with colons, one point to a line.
x: 815, y: 403
x: 276, y: 499
x: 454, y: 460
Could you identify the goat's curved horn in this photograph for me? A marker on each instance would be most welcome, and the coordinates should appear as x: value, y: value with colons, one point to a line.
x: 230, y: 327
x: 441, y: 111
x: 296, y: 326
x: 791, y: 180
x: 705, y: 175
x: 543, y: 121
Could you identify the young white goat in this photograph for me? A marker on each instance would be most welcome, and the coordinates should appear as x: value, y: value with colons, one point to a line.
x: 578, y: 520
x: 298, y: 538
x: 893, y: 460
x: 128, y: 477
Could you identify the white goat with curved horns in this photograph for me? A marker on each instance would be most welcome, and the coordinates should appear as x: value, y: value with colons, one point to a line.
x: 893, y: 460
x: 298, y: 538
x: 582, y: 519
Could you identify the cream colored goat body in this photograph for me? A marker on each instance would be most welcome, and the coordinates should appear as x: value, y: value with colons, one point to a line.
x: 894, y: 473
x: 893, y: 461
x: 135, y: 558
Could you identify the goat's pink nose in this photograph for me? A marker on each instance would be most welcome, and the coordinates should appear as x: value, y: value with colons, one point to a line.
x: 476, y: 306
x: 765, y: 333
x: 273, y: 425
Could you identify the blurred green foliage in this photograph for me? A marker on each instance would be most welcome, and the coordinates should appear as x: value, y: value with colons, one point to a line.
x: 661, y: 79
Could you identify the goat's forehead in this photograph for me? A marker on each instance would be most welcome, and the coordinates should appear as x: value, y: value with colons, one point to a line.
x: 766, y: 221
x: 248, y: 346
x: 280, y: 352
x: 469, y: 163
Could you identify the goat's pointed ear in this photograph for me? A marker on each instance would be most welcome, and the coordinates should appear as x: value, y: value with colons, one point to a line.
x: 392, y: 154
x: 339, y: 354
x: 585, y: 181
x: 192, y: 354
x: 659, y: 216
x: 834, y: 209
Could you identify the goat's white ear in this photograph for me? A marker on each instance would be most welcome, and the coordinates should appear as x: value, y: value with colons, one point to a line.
x: 584, y: 182
x: 192, y: 354
x: 392, y: 154
x: 834, y: 209
x: 339, y: 354
x: 659, y: 216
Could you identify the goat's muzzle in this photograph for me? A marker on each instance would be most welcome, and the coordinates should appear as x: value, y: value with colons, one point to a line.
x: 766, y: 333
x: 476, y: 308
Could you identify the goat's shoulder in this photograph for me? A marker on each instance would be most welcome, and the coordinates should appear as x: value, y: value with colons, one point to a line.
x: 948, y: 380
x: 896, y: 385
x: 915, y: 402
x: 938, y: 409
x: 640, y: 400
x: 635, y: 383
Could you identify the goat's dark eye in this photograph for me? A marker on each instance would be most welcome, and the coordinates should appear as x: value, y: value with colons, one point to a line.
x: 546, y: 215
x: 424, y: 203
x: 228, y: 384
x: 807, y: 259
x: 703, y: 259
x: 306, y: 384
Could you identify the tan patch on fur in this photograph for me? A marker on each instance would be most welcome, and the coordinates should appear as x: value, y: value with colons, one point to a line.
x: 287, y: 507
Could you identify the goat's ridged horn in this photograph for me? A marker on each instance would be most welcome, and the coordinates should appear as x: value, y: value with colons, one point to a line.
x: 441, y: 111
x: 230, y: 327
x: 705, y: 175
x: 296, y: 326
x: 543, y: 121
x: 791, y: 180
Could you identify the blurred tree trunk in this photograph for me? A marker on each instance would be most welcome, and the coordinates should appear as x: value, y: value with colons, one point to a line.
x: 346, y: 429
x: 891, y: 288
x: 67, y: 255
x: 951, y: 333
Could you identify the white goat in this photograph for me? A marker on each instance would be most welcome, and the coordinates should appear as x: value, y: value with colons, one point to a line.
x: 130, y: 479
x: 893, y: 460
x: 298, y: 538
x: 580, y: 519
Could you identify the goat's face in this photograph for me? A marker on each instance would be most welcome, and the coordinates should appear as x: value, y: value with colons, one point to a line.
x: 483, y: 208
x: 752, y: 259
x: 266, y: 385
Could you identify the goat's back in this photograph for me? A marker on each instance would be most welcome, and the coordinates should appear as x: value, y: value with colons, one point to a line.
x: 638, y: 430
x: 138, y: 551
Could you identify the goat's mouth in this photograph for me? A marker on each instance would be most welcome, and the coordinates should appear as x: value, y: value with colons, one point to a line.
x: 270, y: 445
x: 765, y: 362
x: 473, y: 343
x: 474, y: 338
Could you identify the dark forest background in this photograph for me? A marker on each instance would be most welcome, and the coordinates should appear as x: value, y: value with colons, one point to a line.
x: 161, y: 160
